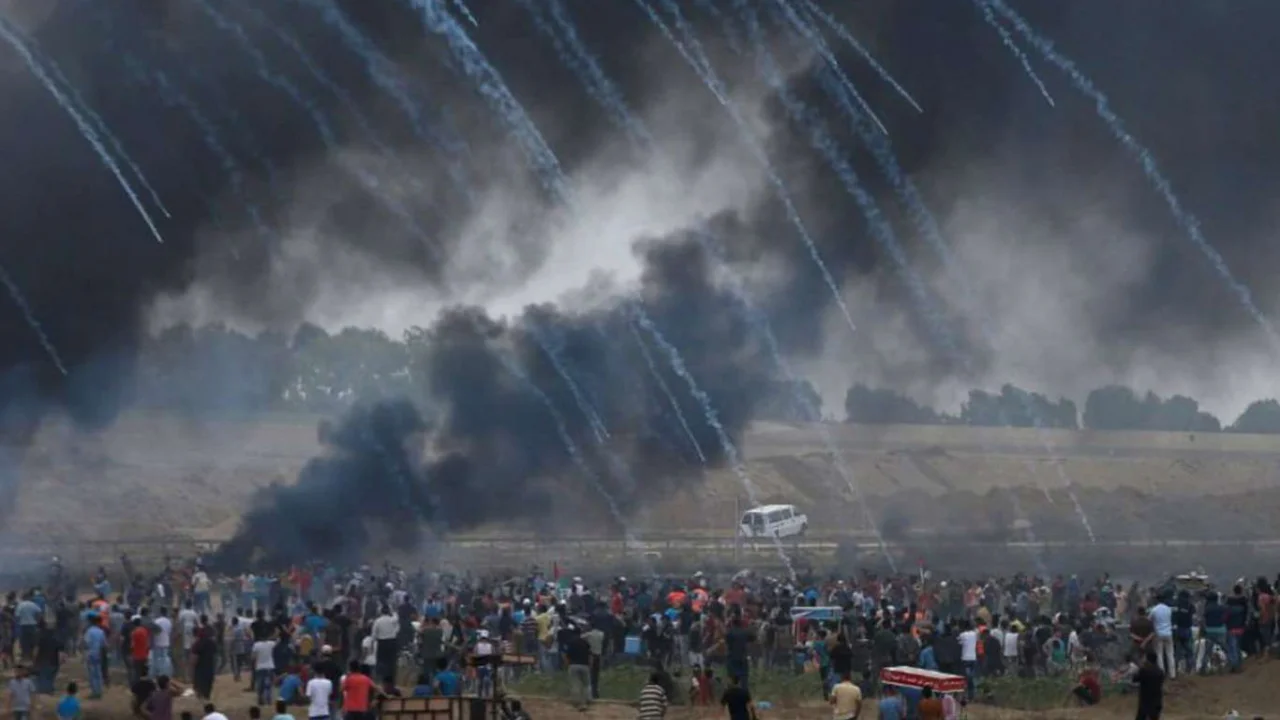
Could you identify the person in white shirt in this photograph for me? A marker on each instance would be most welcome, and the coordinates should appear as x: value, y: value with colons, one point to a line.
x: 969, y: 657
x: 1009, y: 647
x: 201, y: 586
x: 264, y: 670
x: 1162, y: 617
x: 161, y: 640
x: 385, y: 632
x: 368, y: 653
x: 319, y: 689
x: 211, y: 713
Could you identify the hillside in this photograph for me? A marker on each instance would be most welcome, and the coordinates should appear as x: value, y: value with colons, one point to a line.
x: 157, y: 475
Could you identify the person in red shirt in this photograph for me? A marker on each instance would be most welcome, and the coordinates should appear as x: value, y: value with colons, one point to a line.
x: 1088, y: 691
x: 358, y: 692
x: 139, y: 650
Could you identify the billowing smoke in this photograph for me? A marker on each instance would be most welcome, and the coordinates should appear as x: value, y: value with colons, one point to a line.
x: 506, y: 420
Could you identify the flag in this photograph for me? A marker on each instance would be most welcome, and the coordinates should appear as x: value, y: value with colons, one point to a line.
x: 555, y: 571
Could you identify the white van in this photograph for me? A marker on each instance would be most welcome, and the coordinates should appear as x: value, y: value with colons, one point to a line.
x: 773, y: 521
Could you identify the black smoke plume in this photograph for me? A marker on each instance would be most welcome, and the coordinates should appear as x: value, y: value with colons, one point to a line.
x: 500, y: 407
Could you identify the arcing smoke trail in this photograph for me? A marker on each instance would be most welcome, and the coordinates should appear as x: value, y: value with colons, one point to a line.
x: 102, y: 127
x: 323, y: 127
x: 175, y: 97
x: 12, y: 36
x: 569, y: 445
x: 989, y: 15
x: 1188, y: 221
x: 593, y: 419
x: 466, y: 12
x: 848, y: 37
x: 713, y: 421
x: 575, y: 55
x: 666, y: 390
x: 382, y: 71
x: 701, y: 64
x: 21, y: 301
x: 495, y: 91
x: 640, y: 134
x: 755, y: 317
x: 920, y: 214
x: 821, y: 141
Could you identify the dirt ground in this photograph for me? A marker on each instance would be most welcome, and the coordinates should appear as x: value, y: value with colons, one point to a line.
x: 1256, y: 692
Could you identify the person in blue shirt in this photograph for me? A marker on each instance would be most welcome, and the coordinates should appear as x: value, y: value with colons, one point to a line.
x: 95, y: 648
x: 69, y: 706
x: 448, y: 681
x: 891, y: 706
x: 291, y: 687
x: 928, y: 660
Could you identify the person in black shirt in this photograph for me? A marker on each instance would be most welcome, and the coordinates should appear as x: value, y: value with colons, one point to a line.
x: 737, y: 640
x: 1183, y: 619
x: 1150, y: 682
x: 737, y: 701
x: 841, y: 657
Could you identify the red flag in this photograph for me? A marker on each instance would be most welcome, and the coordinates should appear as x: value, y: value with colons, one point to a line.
x: 555, y: 570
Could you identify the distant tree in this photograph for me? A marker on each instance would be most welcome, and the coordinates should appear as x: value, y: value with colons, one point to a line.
x: 1262, y: 416
x: 1180, y: 414
x: 1113, y: 407
x: 1015, y: 407
x: 1116, y: 407
x: 886, y: 407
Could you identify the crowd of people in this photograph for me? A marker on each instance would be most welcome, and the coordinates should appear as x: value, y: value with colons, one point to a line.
x: 335, y: 641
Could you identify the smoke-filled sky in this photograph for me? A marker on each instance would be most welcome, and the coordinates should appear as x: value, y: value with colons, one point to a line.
x: 337, y: 162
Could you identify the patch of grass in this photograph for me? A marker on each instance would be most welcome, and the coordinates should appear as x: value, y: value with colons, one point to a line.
x: 1040, y: 693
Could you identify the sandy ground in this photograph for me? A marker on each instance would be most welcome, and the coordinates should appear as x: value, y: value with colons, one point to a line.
x: 1254, y: 692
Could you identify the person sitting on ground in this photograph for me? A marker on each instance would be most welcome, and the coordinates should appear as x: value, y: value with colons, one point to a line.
x: 291, y: 685
x: 1088, y: 690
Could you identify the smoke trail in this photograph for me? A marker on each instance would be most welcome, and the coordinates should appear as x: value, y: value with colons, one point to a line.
x: 822, y: 142
x: 666, y: 390
x: 593, y: 419
x: 495, y: 91
x: 1102, y: 105
x: 641, y: 134
x: 757, y: 318
x: 703, y: 67
x: 709, y: 7
x: 208, y: 131
x: 264, y: 71
x: 323, y: 126
x: 12, y: 36
x: 382, y: 71
x: 848, y: 37
x: 920, y: 215
x: 569, y: 445
x: 102, y: 127
x: 584, y: 64
x: 21, y: 301
x: 713, y: 421
x: 989, y: 15
x: 466, y: 11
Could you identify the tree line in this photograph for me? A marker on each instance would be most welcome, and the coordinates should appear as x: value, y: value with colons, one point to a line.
x: 215, y: 369
x: 1113, y: 407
